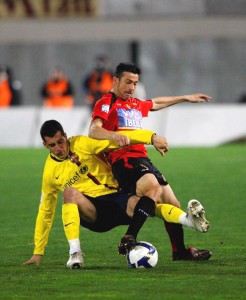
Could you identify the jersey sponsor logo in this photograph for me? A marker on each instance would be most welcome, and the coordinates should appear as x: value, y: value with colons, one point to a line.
x: 105, y: 108
x: 131, y: 118
x: 71, y: 181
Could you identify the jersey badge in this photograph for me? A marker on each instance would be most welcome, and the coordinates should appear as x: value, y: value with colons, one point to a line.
x: 105, y: 108
x: 83, y: 169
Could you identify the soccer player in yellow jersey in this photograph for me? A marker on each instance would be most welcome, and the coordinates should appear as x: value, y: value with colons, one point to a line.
x: 90, y: 193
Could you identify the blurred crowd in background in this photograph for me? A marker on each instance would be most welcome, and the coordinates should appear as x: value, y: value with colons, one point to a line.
x: 63, y: 53
x: 58, y: 91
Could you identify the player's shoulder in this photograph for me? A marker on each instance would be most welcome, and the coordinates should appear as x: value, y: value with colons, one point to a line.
x: 77, y: 141
x: 135, y: 102
x: 83, y: 145
x: 106, y: 98
x: 133, y: 99
x: 104, y: 104
x: 75, y: 138
x: 50, y: 166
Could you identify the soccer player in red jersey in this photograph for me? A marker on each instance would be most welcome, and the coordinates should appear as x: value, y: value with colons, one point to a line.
x: 118, y: 110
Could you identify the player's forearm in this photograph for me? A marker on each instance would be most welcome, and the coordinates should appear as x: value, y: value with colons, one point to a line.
x: 136, y: 137
x: 99, y: 133
x: 162, y: 102
x: 42, y: 230
x: 139, y: 136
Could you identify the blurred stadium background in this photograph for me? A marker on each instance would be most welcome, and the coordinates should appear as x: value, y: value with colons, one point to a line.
x: 182, y: 46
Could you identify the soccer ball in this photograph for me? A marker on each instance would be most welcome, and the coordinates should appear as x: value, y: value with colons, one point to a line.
x: 144, y: 255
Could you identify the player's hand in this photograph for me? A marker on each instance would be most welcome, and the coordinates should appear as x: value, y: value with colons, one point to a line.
x: 160, y: 143
x: 36, y: 259
x: 197, y: 98
x: 121, y: 140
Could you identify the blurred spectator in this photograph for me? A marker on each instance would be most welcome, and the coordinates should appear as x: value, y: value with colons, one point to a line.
x: 98, y: 81
x: 9, y: 88
x: 16, y: 88
x: 58, y: 90
x: 5, y: 90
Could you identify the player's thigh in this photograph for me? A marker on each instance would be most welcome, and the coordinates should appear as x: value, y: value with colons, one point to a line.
x: 111, y: 212
x: 168, y: 196
x: 148, y: 185
x: 86, y: 208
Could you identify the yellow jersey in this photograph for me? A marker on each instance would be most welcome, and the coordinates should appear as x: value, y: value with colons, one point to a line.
x: 84, y: 170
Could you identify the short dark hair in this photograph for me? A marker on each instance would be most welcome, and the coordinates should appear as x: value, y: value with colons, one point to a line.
x: 50, y: 128
x: 126, y: 67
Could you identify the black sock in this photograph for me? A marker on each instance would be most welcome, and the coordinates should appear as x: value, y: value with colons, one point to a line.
x: 176, y: 236
x: 143, y: 209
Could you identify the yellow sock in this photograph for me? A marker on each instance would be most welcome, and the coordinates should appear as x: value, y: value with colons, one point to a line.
x: 168, y: 213
x: 71, y: 220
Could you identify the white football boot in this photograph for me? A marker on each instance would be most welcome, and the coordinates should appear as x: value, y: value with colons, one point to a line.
x: 76, y: 260
x: 196, y: 213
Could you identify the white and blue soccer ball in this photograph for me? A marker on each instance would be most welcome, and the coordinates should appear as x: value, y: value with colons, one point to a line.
x: 144, y: 255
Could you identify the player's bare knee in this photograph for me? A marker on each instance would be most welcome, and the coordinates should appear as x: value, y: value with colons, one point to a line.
x: 69, y: 195
x: 150, y: 188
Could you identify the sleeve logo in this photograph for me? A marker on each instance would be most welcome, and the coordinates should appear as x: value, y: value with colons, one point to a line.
x: 105, y: 108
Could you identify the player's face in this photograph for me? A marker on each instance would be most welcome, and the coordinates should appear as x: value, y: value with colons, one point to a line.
x: 57, y: 145
x: 124, y: 87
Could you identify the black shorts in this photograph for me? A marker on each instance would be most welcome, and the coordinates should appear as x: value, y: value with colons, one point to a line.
x: 111, y: 212
x: 128, y: 173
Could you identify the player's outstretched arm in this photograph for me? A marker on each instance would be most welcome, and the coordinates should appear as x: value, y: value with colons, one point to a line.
x: 197, y: 98
x: 35, y: 259
x: 163, y: 101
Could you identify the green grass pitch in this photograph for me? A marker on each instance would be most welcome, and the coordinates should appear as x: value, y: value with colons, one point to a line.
x: 215, y: 176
